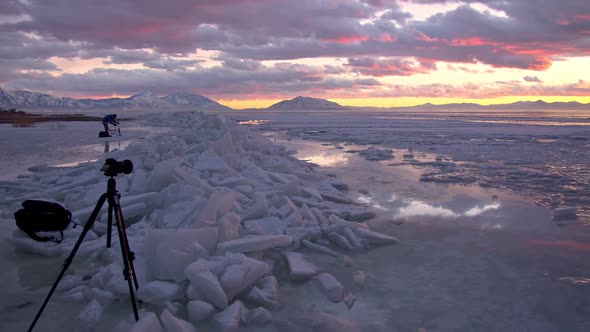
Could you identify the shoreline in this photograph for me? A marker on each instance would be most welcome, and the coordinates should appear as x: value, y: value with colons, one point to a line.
x: 23, y: 118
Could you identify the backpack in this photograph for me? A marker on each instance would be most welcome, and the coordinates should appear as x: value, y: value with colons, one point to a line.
x: 41, y: 216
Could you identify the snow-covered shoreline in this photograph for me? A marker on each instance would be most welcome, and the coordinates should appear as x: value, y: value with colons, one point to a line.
x: 252, y: 208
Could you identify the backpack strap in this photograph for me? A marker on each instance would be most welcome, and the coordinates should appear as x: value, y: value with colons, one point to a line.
x: 45, y: 238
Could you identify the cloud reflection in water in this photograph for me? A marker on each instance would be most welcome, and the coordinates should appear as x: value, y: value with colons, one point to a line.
x: 326, y: 159
x: 418, y: 208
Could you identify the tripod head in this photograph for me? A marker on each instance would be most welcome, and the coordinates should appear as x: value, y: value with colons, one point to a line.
x: 112, y: 167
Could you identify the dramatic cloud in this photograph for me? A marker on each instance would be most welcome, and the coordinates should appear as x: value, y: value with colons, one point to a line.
x: 389, y: 67
x: 376, y: 39
x: 217, y: 82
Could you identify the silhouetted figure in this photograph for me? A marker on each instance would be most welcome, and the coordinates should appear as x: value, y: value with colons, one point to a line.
x: 109, y: 118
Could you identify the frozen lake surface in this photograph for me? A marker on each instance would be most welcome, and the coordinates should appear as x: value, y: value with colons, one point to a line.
x: 479, y: 250
x: 471, y: 258
x: 540, y: 155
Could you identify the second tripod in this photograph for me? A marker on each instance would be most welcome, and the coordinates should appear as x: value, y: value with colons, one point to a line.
x: 111, y: 168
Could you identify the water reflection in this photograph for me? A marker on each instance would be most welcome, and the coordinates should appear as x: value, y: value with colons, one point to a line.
x: 419, y: 208
x: 326, y: 159
x: 75, y: 163
x: 477, y: 210
x: 254, y: 122
x: 369, y: 200
x: 86, y: 150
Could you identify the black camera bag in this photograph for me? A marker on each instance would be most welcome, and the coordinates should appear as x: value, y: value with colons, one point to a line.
x: 41, y: 216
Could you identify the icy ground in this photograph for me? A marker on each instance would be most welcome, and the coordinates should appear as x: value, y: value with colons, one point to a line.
x: 470, y: 258
x: 540, y: 155
x: 219, y: 219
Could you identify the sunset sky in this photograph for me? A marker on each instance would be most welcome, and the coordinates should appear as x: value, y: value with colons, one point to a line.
x: 253, y: 53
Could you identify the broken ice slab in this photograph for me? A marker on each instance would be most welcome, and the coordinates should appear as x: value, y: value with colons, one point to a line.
x: 342, y: 186
x: 208, y: 285
x: 339, y: 240
x: 359, y: 214
x: 199, y: 310
x: 565, y: 212
x: 90, y: 315
x: 257, y: 210
x: 256, y: 317
x: 238, y: 277
x: 565, y: 216
x: 265, y: 293
x: 337, y: 198
x: 172, y: 323
x: 330, y: 287
x: 375, y: 237
x: 228, y: 319
x: 299, y: 267
x: 158, y: 291
x: 149, y: 322
x: 320, y: 248
x: 254, y: 243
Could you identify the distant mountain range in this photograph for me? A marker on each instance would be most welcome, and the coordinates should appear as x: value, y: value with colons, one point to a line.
x: 27, y: 100
x: 307, y: 103
x: 538, y: 105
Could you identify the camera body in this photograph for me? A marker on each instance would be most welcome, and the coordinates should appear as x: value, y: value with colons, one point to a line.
x: 112, y: 167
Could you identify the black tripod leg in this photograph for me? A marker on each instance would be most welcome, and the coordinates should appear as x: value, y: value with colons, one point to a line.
x: 110, y: 226
x: 70, y: 258
x: 129, y: 270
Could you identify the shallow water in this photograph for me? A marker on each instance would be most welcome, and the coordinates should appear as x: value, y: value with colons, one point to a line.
x: 470, y: 258
x: 62, y: 144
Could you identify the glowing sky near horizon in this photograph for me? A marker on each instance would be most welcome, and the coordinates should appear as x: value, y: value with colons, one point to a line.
x: 255, y: 53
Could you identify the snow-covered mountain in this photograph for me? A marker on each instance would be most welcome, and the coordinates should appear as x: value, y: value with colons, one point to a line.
x: 27, y: 100
x: 306, y: 103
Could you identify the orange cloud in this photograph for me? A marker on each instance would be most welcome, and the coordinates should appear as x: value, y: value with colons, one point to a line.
x: 346, y: 40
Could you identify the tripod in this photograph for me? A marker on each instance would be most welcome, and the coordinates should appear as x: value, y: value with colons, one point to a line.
x: 114, y: 207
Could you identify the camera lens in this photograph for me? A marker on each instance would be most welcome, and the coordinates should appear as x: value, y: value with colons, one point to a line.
x: 113, y: 167
x: 126, y: 166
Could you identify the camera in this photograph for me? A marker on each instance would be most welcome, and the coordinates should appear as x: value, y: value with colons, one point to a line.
x: 113, y: 167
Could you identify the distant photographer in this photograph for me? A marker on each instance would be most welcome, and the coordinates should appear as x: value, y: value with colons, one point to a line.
x: 109, y: 118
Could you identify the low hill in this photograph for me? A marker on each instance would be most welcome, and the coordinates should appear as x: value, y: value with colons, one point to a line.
x: 306, y: 103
